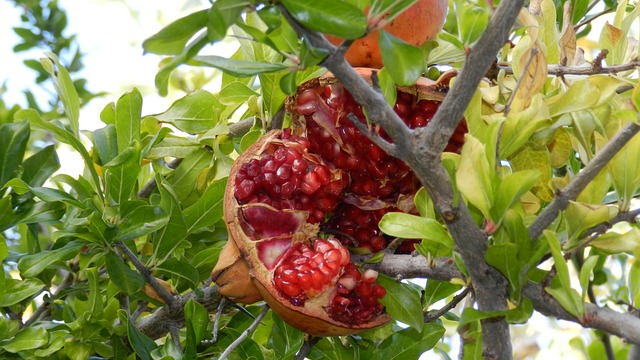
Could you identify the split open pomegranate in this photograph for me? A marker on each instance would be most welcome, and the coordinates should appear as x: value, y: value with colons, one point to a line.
x: 300, y: 198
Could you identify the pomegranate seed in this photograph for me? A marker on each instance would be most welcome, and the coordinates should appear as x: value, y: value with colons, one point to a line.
x: 323, y: 173
x: 378, y: 243
x: 348, y: 281
x: 369, y: 276
x: 298, y: 166
x: 379, y: 291
x: 305, y: 280
x: 291, y: 289
x: 245, y: 189
x: 340, y: 303
x: 364, y: 290
x: 310, y: 183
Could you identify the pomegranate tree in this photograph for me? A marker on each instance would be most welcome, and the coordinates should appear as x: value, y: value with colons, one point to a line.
x: 300, y: 198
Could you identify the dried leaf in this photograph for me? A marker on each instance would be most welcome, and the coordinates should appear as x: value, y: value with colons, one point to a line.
x: 567, y: 37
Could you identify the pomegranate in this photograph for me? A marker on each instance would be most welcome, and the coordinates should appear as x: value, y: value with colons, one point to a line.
x: 416, y: 25
x: 299, y: 198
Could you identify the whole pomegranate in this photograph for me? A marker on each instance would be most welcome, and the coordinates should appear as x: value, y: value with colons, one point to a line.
x: 298, y: 199
x: 418, y: 24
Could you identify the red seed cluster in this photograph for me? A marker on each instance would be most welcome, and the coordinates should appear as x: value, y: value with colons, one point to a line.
x: 357, y: 227
x: 357, y: 296
x: 285, y: 179
x: 307, y: 271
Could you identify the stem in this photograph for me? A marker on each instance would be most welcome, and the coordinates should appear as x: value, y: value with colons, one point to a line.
x: 436, y: 314
x: 146, y: 273
x: 245, y: 334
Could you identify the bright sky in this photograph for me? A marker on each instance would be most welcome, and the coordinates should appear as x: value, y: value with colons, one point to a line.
x: 110, y: 34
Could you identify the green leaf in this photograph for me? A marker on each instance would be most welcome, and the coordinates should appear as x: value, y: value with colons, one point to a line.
x: 183, y: 179
x: 173, y: 146
x: 18, y: 290
x: 121, y: 175
x: 409, y: 343
x: 167, y: 238
x: 474, y: 21
x: 45, y: 194
x: 34, y: 264
x: 288, y: 83
x: 180, y: 270
x: 504, y: 257
x: 195, y: 113
x: 614, y: 242
x: 122, y: 276
x: 139, y: 220
x: 236, y: 93
x: 142, y: 344
x: 106, y: 142
x: 404, y: 62
x: 334, y: 17
x: 285, y: 339
x: 44, y: 212
x: 408, y: 226
x: 474, y: 174
x: 197, y: 317
x: 94, y: 303
x: 13, y: 137
x: 222, y: 15
x: 64, y: 136
x: 581, y: 217
x: 402, y: 302
x: 40, y: 166
x: 208, y: 209
x: 237, y: 68
x: 562, y: 291
x: 27, y: 339
x: 510, y: 190
x: 387, y: 86
x: 67, y: 92
x: 77, y: 350
x: 585, y: 274
x: 172, y: 39
x: 128, y: 115
x: 438, y: 290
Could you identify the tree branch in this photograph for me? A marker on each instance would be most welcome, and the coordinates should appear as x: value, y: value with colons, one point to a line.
x: 245, y: 334
x: 156, y: 325
x: 560, y: 70
x: 581, y: 180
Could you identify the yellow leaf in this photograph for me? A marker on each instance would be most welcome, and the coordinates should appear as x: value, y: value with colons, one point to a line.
x: 567, y: 37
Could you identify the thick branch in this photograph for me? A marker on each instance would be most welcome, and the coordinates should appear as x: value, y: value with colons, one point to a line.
x: 156, y: 325
x: 623, y: 325
x: 581, y: 180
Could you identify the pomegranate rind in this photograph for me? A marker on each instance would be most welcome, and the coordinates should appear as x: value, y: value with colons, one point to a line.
x: 306, y: 318
x: 231, y: 273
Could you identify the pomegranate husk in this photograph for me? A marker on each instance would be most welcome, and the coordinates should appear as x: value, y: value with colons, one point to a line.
x: 243, y: 278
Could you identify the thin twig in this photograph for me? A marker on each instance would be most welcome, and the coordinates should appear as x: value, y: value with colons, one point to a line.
x: 306, y: 347
x: 588, y: 69
x: 375, y: 138
x: 245, y: 334
x: 436, y: 314
x: 146, y: 273
x: 216, y: 323
x: 174, y: 330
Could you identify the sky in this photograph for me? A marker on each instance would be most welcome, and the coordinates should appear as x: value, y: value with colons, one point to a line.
x: 110, y: 34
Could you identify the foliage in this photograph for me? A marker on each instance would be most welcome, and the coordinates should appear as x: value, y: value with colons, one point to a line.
x: 114, y: 263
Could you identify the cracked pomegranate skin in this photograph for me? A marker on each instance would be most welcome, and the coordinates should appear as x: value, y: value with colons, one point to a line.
x: 288, y: 205
x: 418, y: 24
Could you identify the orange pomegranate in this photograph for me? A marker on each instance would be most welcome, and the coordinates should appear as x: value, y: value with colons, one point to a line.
x: 418, y: 24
